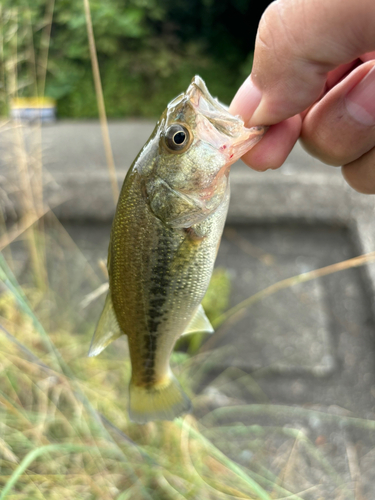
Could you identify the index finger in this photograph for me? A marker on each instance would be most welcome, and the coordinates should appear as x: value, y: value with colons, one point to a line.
x: 298, y: 44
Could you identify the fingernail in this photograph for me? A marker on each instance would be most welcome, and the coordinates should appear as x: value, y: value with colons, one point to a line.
x: 246, y: 101
x: 360, y: 102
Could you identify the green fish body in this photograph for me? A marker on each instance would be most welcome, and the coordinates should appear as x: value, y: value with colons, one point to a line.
x: 164, y: 240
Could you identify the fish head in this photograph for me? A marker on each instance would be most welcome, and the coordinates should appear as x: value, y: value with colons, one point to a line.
x: 192, y: 148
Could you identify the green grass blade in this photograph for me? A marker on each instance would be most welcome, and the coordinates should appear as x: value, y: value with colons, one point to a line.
x: 283, y: 411
x: 33, y: 455
x: 254, y: 486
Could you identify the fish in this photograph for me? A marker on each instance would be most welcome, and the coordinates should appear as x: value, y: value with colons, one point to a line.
x: 164, y: 240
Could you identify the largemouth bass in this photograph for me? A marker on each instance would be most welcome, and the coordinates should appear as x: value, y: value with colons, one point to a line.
x: 164, y: 240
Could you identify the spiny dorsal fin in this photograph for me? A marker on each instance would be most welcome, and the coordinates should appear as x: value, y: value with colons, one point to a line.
x: 199, y: 323
x: 107, y: 329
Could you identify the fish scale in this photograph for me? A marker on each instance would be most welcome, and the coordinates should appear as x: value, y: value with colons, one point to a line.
x: 164, y: 240
x: 170, y: 297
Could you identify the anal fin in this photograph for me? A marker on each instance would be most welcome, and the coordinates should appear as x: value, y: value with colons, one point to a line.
x: 107, y: 329
x: 199, y: 323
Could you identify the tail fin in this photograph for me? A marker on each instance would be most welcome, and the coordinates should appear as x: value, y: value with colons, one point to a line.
x: 164, y: 402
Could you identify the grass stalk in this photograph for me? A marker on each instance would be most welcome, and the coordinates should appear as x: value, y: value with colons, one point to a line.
x: 23, y: 225
x: 221, y: 457
x: 34, y: 454
x: 44, y: 47
x: 100, y: 101
x: 289, y: 282
x: 21, y: 160
x: 286, y: 412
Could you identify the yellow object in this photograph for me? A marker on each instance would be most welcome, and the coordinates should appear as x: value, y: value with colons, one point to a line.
x: 32, y: 102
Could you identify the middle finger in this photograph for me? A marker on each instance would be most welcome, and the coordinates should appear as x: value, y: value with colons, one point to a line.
x: 341, y: 126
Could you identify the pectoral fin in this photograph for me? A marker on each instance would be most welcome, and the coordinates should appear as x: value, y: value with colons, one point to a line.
x: 107, y: 329
x: 199, y: 323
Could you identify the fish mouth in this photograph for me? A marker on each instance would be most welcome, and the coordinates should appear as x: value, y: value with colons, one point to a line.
x: 216, y: 112
x: 219, y: 128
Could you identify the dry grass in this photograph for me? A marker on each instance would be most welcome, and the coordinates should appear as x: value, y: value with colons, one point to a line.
x: 64, y: 425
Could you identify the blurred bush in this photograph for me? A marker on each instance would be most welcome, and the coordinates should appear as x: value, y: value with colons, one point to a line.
x: 148, y: 50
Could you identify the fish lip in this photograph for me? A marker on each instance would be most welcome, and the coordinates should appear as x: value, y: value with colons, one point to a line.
x: 216, y: 112
x: 198, y: 83
x: 195, y: 93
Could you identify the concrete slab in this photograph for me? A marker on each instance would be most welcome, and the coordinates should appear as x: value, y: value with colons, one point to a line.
x: 288, y: 332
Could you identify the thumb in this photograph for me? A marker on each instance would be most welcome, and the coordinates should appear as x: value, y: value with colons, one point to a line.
x: 298, y: 43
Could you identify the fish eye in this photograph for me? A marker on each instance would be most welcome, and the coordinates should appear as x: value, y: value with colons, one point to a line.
x: 177, y: 138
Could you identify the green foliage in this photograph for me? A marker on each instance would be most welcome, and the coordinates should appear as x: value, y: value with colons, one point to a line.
x: 148, y: 51
x: 215, y: 302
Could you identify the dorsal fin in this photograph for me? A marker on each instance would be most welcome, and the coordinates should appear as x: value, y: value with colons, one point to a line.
x: 107, y: 329
x: 199, y: 323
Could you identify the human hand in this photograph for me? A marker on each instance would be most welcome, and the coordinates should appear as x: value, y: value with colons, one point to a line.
x: 313, y: 77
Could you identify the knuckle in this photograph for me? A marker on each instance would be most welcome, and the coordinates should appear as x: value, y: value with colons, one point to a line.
x: 265, y: 36
x: 327, y: 136
x: 360, y: 174
x: 276, y: 31
x: 331, y: 152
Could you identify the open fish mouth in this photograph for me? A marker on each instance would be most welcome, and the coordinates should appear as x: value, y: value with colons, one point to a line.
x: 219, y: 128
x: 216, y: 112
